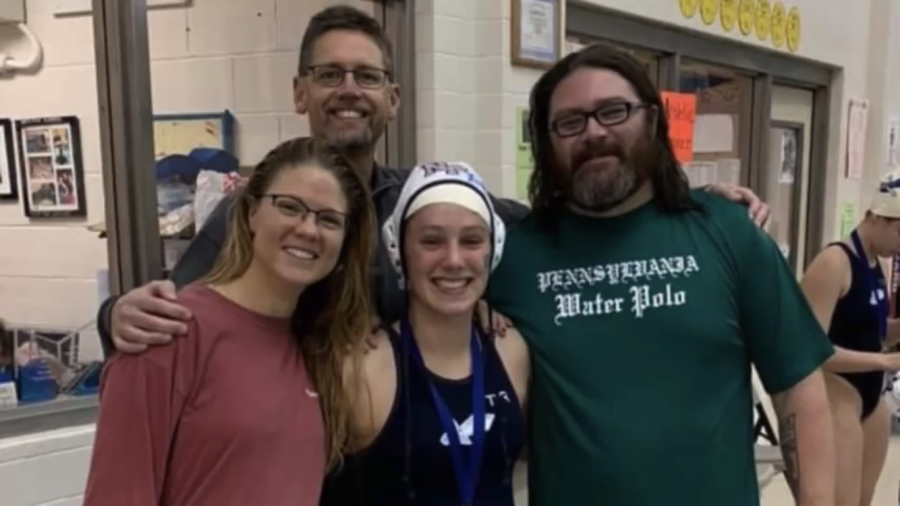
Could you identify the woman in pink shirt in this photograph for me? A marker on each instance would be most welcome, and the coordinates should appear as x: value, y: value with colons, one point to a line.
x: 240, y: 411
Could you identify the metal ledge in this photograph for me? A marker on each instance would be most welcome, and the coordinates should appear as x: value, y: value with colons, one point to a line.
x: 46, y: 416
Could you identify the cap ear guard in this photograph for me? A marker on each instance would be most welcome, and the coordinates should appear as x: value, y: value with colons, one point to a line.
x: 427, y: 175
x: 392, y: 243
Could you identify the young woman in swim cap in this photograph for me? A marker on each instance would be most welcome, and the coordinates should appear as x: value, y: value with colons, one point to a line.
x: 846, y: 288
x: 441, y: 416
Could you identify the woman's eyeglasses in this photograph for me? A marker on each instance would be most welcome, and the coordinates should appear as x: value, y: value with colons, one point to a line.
x: 293, y: 207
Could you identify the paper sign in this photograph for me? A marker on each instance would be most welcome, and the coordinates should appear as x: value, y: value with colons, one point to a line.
x: 856, y: 137
x: 892, y: 142
x: 8, y: 397
x: 848, y: 218
x: 681, y: 109
x: 700, y: 174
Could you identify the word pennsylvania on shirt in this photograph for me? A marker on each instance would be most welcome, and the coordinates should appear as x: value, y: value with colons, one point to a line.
x: 583, y: 287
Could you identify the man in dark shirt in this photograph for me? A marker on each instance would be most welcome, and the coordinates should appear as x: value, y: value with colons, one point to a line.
x: 345, y: 87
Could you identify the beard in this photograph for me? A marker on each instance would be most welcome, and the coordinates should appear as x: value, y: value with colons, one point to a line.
x: 352, y: 140
x: 598, y: 187
x: 351, y: 135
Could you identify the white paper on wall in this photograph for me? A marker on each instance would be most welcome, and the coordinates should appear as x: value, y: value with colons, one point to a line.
x: 701, y: 173
x: 729, y: 171
x: 713, y: 133
x: 891, y: 142
x: 856, y: 137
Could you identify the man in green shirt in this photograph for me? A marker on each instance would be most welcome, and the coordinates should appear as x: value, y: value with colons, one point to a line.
x: 642, y: 347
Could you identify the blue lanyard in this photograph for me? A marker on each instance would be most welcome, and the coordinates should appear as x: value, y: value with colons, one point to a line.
x: 881, y: 304
x: 466, y: 475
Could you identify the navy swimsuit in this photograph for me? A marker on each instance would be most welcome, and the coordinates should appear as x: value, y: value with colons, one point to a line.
x: 859, y: 322
x: 410, y: 463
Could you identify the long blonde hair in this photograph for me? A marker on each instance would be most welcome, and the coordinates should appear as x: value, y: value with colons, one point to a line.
x: 333, y: 315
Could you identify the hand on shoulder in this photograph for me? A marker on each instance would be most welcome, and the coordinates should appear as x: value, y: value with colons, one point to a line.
x: 759, y: 210
x: 147, y: 315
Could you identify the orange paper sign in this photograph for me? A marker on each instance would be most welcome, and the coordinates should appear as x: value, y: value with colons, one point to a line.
x: 681, y: 108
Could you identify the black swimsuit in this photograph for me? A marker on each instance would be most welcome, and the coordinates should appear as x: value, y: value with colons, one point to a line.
x: 855, y: 326
x: 409, y: 463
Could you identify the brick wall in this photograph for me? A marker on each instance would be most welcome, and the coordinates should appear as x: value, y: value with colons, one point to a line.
x: 467, y: 90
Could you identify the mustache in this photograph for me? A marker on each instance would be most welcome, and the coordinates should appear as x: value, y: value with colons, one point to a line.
x: 349, y: 103
x: 597, y: 149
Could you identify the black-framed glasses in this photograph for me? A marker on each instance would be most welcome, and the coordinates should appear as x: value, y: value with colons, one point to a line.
x: 607, y: 115
x: 293, y: 207
x: 332, y: 76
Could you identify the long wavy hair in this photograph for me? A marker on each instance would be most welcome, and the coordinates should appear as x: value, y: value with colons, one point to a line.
x: 672, y: 192
x: 333, y: 316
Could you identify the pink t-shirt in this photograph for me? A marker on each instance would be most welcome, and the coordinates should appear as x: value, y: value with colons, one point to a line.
x: 224, y: 416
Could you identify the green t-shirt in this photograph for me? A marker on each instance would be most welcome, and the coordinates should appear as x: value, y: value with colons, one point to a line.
x: 643, y: 329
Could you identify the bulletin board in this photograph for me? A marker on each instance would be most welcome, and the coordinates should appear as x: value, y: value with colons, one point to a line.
x: 178, y: 134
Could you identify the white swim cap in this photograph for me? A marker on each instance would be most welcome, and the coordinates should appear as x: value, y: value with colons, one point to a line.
x: 442, y: 183
x: 461, y: 195
x: 886, y: 202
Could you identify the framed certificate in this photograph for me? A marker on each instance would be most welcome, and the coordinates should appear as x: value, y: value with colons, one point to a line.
x: 536, y: 28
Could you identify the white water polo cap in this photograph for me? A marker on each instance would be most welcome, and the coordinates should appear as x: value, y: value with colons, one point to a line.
x: 442, y: 183
x: 886, y: 202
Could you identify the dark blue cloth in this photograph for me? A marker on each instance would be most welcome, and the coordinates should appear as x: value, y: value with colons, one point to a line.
x: 386, y: 475
x: 186, y: 167
x: 856, y: 326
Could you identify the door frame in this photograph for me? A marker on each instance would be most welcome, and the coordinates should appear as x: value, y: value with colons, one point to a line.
x: 398, y: 19
x: 796, y: 192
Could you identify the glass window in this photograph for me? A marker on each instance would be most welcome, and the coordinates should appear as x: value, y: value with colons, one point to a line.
x: 722, y: 125
x: 650, y: 59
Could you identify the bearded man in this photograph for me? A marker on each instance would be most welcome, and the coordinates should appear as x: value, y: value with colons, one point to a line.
x: 645, y: 305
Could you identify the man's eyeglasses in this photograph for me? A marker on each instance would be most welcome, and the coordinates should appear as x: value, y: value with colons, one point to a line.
x: 327, y: 219
x: 332, y: 76
x: 607, y: 115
